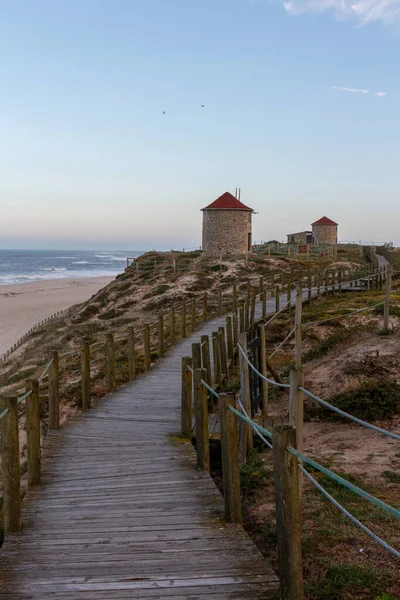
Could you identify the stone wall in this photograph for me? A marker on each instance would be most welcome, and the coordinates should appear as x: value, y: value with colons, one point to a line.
x: 324, y: 234
x: 227, y: 231
x: 297, y: 238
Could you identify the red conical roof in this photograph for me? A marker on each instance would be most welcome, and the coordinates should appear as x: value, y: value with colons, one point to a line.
x: 324, y: 221
x: 227, y: 202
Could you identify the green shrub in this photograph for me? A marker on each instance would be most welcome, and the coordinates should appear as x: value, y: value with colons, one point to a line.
x: 392, y: 476
x: 372, y: 399
x: 253, y: 474
x: 327, y: 344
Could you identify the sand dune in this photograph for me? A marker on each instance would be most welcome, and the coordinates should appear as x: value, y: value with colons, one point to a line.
x: 22, y: 305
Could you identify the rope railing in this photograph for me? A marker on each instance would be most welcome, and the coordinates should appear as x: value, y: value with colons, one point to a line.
x: 352, y: 518
x: 281, y: 310
x: 289, y: 335
x: 342, y: 413
x: 350, y: 314
x: 243, y: 353
x: 351, y: 486
x: 3, y: 414
x: 71, y: 352
x: 24, y: 396
x: 45, y: 370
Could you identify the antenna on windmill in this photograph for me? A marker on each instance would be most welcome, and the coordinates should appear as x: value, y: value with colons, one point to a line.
x: 236, y: 193
x: 240, y: 189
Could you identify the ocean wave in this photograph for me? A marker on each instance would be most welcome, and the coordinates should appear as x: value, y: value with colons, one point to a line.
x: 111, y: 257
x: 82, y: 262
x: 56, y: 269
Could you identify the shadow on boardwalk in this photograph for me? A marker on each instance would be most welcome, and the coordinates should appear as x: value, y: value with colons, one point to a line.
x: 123, y: 513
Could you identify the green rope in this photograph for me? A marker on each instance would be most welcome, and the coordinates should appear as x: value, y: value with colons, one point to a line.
x: 250, y: 422
x: 210, y: 389
x: 3, y: 414
x: 354, y: 488
x: 24, y: 397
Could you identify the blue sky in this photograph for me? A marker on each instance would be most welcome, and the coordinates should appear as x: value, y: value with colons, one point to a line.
x: 301, y: 109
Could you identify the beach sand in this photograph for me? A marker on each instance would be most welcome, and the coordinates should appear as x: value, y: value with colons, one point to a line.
x: 22, y: 305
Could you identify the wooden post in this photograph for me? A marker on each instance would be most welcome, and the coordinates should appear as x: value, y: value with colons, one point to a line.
x: 110, y: 362
x: 201, y: 410
x: 222, y: 349
x: 309, y: 285
x: 245, y: 397
x: 173, y: 326
x: 54, y: 392
x: 131, y: 355
x: 289, y: 290
x: 216, y: 357
x: 161, y: 344
x: 174, y: 265
x: 205, y: 306
x: 234, y: 298
x: 288, y: 513
x: 235, y: 329
x: 230, y: 460
x: 253, y: 311
x: 242, y: 327
x: 187, y: 398
x: 196, y: 356
x: 296, y: 413
x: 33, y: 433
x: 340, y: 276
x: 193, y: 317
x: 261, y: 285
x: 183, y: 319
x: 219, y: 302
x: 264, y: 304
x: 85, y: 366
x: 318, y: 283
x: 146, y: 348
x: 9, y: 450
x: 297, y: 325
x: 264, y: 372
x: 205, y: 358
x: 386, y: 309
x: 277, y: 298
x: 229, y: 337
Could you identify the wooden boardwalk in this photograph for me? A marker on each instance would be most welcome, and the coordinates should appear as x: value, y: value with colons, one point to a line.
x: 123, y: 513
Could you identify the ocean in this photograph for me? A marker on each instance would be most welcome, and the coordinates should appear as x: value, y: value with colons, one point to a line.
x: 23, y: 266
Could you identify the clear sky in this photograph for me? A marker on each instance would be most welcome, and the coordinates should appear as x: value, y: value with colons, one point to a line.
x: 301, y: 109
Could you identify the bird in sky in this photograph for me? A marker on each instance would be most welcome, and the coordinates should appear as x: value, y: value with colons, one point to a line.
x: 164, y: 113
x: 202, y: 106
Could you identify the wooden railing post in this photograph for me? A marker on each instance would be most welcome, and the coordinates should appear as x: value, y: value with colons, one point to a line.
x: 54, y: 392
x: 9, y: 451
x: 131, y: 355
x: 230, y: 460
x: 309, y: 284
x: 33, y: 433
x: 205, y: 358
x: 242, y: 324
x: 216, y: 357
x: 146, y: 348
x: 297, y: 325
x: 253, y: 311
x: 183, y: 319
x: 235, y: 329
x: 264, y: 304
x: 264, y: 384
x: 222, y: 349
x: 173, y: 326
x: 234, y: 298
x: 229, y: 337
x: 386, y: 308
x: 296, y: 413
x: 277, y: 298
x: 85, y: 362
x: 110, y: 351
x: 187, y: 398
x: 261, y: 285
x: 161, y: 336
x: 288, y: 513
x: 193, y: 317
x: 196, y: 355
x: 247, y: 315
x: 201, y: 410
x: 247, y: 446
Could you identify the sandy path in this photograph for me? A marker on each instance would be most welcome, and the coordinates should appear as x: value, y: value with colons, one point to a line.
x: 23, y: 305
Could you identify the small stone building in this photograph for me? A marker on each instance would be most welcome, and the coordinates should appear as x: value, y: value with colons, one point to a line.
x: 324, y: 232
x: 302, y: 237
x: 227, y: 226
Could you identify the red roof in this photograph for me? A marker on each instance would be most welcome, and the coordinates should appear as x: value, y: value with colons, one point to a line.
x: 227, y: 201
x: 324, y: 221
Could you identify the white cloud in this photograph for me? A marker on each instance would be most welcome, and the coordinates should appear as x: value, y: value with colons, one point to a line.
x: 358, y: 91
x: 361, y: 11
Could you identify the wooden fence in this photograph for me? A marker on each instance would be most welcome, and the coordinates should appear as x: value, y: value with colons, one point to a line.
x: 232, y: 346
